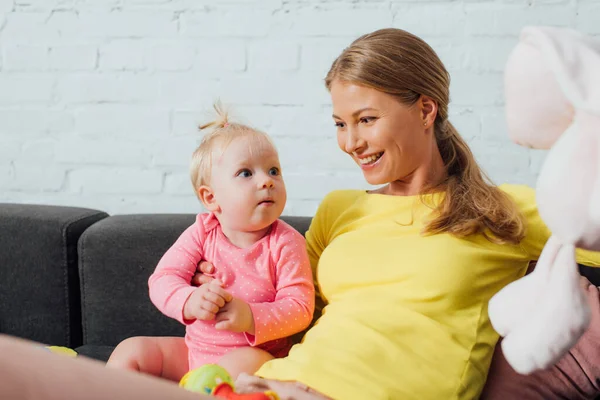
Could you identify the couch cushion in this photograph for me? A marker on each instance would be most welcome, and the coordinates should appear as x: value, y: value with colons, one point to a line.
x: 591, y: 273
x: 117, y: 256
x: 300, y: 224
x: 39, y: 288
x: 97, y: 352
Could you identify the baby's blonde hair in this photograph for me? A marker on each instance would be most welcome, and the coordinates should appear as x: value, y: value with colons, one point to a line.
x: 223, y: 133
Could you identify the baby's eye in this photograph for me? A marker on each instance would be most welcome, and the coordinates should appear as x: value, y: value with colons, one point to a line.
x: 245, y: 173
x: 274, y: 171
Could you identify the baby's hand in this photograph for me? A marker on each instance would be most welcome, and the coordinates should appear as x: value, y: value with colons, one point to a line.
x: 205, y: 302
x: 235, y: 316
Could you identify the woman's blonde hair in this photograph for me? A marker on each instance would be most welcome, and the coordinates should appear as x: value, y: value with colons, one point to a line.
x: 222, y: 134
x: 401, y: 64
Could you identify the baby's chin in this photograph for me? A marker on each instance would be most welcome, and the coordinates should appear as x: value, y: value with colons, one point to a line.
x: 260, y: 224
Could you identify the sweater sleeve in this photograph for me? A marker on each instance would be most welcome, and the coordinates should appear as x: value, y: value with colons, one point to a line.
x: 537, y: 233
x: 170, y: 284
x: 294, y: 303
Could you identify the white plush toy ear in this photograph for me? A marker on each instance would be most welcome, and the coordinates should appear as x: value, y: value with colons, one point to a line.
x: 515, y: 303
x: 592, y: 123
x: 595, y: 202
x: 533, y: 94
x: 566, y: 183
x: 556, y: 322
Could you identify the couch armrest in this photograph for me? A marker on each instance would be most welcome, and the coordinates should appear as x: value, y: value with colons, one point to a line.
x: 39, y: 281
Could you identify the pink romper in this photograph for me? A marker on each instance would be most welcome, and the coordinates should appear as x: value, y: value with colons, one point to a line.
x: 273, y: 276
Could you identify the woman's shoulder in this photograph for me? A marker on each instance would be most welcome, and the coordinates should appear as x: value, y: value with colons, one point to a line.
x: 522, y: 195
x: 343, y: 197
x: 338, y: 201
x: 334, y: 204
x: 525, y: 198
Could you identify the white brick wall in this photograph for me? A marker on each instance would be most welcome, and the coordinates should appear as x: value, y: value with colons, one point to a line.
x: 99, y: 99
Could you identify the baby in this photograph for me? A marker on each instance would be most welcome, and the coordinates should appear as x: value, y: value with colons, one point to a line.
x: 263, y: 289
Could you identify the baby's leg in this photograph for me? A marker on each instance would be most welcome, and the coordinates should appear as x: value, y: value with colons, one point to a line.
x: 30, y: 372
x: 244, y: 359
x: 165, y: 357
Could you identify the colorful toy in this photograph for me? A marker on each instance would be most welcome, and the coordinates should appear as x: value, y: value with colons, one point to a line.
x: 62, y: 350
x: 226, y: 391
x: 215, y: 380
x: 205, y: 378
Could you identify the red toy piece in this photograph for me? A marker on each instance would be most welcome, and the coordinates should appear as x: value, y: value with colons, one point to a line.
x: 225, y: 391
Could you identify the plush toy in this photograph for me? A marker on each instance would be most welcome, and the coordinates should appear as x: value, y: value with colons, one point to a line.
x: 215, y: 380
x: 552, y: 87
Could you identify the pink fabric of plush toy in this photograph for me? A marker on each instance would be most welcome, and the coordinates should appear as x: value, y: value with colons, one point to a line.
x: 552, y: 84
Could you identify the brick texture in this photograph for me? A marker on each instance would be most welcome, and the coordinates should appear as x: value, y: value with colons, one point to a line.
x: 100, y: 99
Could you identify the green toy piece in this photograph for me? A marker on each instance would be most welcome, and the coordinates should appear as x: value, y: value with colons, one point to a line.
x: 62, y: 350
x: 205, y: 378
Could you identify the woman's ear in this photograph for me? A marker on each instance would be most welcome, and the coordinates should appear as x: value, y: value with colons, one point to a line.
x: 428, y: 108
x: 207, y: 197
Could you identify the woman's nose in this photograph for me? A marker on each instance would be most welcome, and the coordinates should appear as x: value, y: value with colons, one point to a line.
x: 352, y: 140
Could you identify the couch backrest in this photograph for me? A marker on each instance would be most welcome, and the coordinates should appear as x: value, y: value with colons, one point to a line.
x: 116, y: 257
x: 39, y: 282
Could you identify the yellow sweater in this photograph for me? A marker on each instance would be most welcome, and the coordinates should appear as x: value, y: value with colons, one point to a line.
x: 407, y: 314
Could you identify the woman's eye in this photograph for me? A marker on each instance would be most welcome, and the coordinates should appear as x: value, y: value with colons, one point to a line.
x: 274, y: 171
x: 340, y: 124
x: 366, y: 120
x: 245, y: 173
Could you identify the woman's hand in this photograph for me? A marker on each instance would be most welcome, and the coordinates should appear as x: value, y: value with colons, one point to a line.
x: 201, y: 277
x: 286, y: 390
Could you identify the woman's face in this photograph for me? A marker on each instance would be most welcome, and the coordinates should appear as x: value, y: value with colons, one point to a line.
x: 390, y: 141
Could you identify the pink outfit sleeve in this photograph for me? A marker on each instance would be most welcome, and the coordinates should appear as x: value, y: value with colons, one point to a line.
x: 292, y: 310
x: 170, y: 284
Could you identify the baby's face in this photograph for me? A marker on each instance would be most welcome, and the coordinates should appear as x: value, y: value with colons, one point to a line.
x: 247, y: 185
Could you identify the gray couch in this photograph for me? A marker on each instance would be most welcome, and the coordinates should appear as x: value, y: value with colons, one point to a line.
x: 78, y: 277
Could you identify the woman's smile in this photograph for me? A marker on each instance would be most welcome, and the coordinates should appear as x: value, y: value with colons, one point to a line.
x: 370, y: 161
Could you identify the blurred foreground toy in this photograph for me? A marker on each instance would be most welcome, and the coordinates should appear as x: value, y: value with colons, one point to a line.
x: 62, y: 350
x: 205, y: 378
x: 225, y: 391
x: 215, y: 380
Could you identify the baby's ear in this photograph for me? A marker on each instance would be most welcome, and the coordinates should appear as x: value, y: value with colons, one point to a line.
x: 207, y: 197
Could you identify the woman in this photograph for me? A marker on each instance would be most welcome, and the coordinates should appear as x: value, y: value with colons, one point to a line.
x: 436, y: 239
x: 406, y: 270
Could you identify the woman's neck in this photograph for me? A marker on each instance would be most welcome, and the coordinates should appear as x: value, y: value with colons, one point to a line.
x: 429, y: 174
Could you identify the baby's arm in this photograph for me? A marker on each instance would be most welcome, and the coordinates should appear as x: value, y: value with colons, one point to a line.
x: 169, y: 286
x: 293, y: 308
